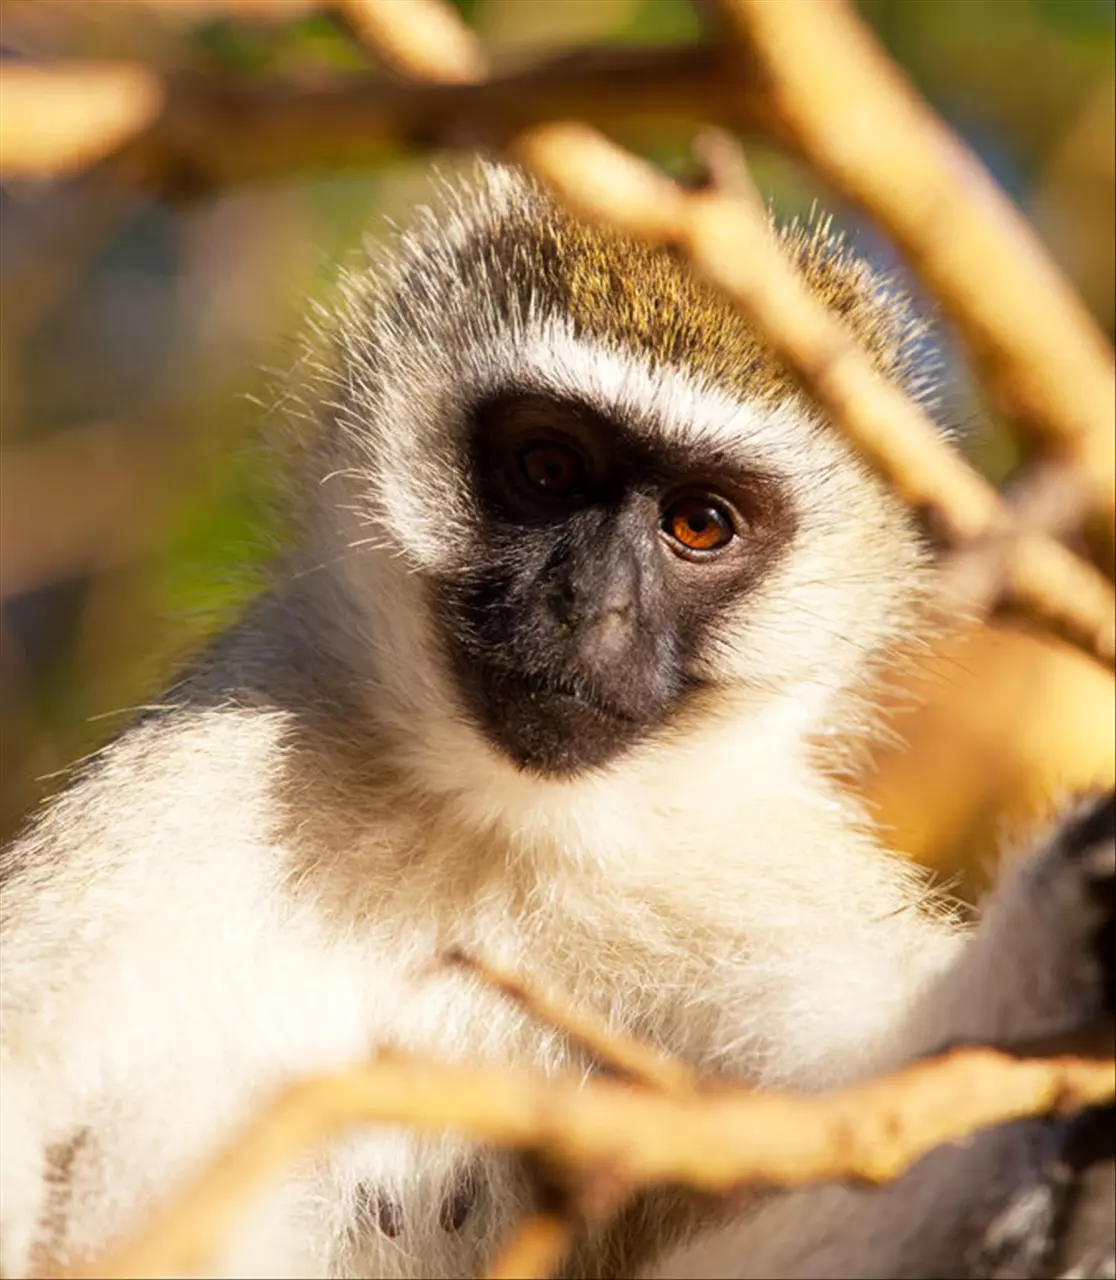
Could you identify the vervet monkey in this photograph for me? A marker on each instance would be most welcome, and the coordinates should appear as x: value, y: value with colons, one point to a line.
x: 583, y: 599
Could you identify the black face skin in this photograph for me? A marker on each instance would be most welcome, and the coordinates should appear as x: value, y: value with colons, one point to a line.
x: 606, y: 561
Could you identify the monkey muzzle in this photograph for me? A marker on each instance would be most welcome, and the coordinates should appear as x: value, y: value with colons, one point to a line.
x: 564, y: 672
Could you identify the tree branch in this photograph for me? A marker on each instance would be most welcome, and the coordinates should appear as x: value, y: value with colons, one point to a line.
x: 213, y: 132
x: 714, y: 1141
x: 619, y: 1054
x: 424, y: 39
x: 58, y: 119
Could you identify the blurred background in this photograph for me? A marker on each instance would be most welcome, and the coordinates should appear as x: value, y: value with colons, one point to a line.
x: 136, y: 341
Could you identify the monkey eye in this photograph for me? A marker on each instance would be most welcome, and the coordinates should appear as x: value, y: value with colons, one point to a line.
x: 556, y: 470
x: 698, y: 525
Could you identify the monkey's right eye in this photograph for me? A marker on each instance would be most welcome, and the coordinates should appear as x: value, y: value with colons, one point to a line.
x: 698, y: 526
x: 554, y: 469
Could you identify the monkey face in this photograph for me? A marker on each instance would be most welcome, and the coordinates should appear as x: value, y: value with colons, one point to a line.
x: 607, y: 558
x: 577, y: 507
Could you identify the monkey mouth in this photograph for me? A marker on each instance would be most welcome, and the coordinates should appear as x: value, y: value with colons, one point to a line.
x: 550, y: 691
x: 548, y: 723
x: 547, y: 688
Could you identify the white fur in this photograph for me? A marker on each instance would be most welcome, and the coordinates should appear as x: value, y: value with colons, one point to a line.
x: 192, y: 981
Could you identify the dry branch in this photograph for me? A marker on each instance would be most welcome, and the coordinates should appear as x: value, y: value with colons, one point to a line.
x: 836, y: 97
x: 422, y: 38
x: 620, y: 1054
x: 537, y: 1248
x: 57, y: 119
x: 585, y: 1198
x: 214, y: 132
x: 729, y: 242
x: 714, y: 1141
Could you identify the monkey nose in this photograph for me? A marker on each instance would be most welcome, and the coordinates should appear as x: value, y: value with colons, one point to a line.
x: 609, y: 614
x: 606, y: 634
x: 612, y: 622
x: 609, y: 638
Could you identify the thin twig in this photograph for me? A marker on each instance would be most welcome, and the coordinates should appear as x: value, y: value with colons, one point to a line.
x: 622, y: 1055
